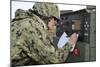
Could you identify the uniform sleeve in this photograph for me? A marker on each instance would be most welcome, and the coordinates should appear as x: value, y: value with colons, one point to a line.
x: 64, y: 52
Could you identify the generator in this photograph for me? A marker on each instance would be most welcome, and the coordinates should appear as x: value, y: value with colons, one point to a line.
x: 82, y: 22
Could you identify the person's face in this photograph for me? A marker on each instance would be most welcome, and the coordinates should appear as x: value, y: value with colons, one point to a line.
x: 52, y: 24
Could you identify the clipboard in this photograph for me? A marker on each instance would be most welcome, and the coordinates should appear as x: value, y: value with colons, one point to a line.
x: 65, y: 39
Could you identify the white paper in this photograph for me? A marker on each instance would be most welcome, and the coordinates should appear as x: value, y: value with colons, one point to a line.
x: 63, y: 40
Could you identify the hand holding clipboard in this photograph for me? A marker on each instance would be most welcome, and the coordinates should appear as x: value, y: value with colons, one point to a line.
x: 65, y: 39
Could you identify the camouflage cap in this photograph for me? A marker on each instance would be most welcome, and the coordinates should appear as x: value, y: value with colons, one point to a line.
x: 47, y: 9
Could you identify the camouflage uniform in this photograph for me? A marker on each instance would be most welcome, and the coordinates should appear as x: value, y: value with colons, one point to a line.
x: 31, y: 43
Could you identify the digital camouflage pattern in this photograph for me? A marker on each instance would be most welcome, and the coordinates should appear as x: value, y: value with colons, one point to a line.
x: 47, y: 10
x: 31, y: 43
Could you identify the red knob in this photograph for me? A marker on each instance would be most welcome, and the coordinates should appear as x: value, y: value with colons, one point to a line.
x: 76, y: 52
